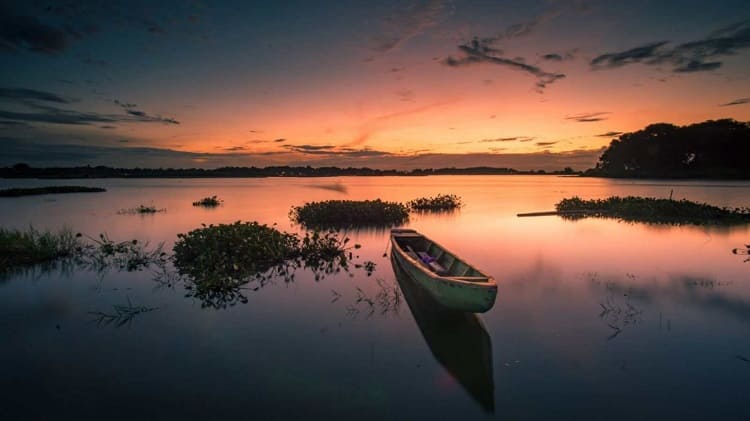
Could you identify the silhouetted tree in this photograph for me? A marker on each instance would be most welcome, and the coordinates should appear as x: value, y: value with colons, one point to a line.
x: 711, y: 149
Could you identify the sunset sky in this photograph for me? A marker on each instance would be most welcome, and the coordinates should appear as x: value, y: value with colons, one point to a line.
x: 525, y: 84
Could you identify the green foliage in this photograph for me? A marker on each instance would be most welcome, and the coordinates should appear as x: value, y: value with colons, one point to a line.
x: 219, y: 260
x: 711, y: 149
x: 20, y: 248
x: 653, y: 210
x: 49, y: 190
x: 223, y: 257
x: 209, y: 202
x: 437, y: 203
x: 349, y: 213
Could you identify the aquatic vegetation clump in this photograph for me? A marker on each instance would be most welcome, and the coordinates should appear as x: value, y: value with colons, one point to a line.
x: 653, y: 210
x: 349, y: 213
x: 209, y: 202
x: 141, y: 210
x: 223, y: 257
x: 218, y: 261
x: 103, y: 254
x: 437, y: 203
x: 17, y: 192
x: 29, y: 247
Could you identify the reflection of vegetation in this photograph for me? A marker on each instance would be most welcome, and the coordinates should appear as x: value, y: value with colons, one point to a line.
x: 437, y: 203
x: 618, y: 316
x: 387, y: 300
x: 653, y: 210
x: 141, y: 210
x: 130, y: 256
x: 349, y: 213
x: 712, y: 149
x: 745, y: 251
x: 23, y: 248
x: 49, y: 190
x: 123, y: 314
x: 209, y: 202
x: 218, y: 261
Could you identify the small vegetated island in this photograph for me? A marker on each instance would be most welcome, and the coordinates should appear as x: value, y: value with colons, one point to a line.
x: 652, y: 210
x: 349, y: 213
x: 209, y: 202
x: 32, y: 191
x: 368, y: 213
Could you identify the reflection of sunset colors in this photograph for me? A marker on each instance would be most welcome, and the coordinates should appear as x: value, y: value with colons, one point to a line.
x: 535, y: 84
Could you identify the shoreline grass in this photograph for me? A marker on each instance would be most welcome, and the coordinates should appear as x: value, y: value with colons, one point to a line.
x: 653, y: 210
x: 32, y: 191
x: 30, y: 247
x: 349, y: 213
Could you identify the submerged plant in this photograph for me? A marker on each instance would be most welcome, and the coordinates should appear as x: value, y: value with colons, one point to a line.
x: 349, y: 213
x: 653, y: 210
x: 123, y: 314
x: 209, y: 202
x: 437, y: 203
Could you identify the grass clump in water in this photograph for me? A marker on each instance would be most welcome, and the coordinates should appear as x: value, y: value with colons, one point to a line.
x: 141, y: 210
x: 22, y: 248
x: 653, y: 210
x: 437, y: 203
x: 349, y: 213
x: 209, y: 202
x: 18, y: 192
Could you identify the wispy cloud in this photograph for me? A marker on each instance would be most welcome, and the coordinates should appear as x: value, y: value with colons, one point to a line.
x: 331, y: 150
x: 740, y: 101
x: 588, y: 117
x: 694, y: 56
x: 413, y: 19
x: 482, y: 50
x: 545, y: 143
x: 29, y: 33
x: 609, y: 134
x: 508, y: 139
x: 31, y: 94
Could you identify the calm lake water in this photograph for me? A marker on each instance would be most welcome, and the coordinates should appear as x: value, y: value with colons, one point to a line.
x: 594, y: 318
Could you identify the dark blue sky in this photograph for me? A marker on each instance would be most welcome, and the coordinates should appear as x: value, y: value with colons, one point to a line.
x: 387, y: 84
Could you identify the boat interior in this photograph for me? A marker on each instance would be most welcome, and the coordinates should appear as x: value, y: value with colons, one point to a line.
x: 436, y: 259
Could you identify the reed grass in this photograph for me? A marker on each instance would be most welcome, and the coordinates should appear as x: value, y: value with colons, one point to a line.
x: 32, y: 246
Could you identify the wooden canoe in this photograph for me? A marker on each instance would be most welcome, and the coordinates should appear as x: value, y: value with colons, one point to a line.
x: 458, y: 340
x: 449, y: 279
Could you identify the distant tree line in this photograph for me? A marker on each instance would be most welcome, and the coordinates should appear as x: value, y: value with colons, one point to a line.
x: 711, y: 149
x: 25, y: 171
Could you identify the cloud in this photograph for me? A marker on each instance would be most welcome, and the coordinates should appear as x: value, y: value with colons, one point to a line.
x: 588, y: 117
x: 70, y: 117
x: 740, y: 101
x: 546, y: 143
x: 695, y: 56
x: 482, y: 50
x: 48, y: 153
x: 108, y: 126
x: 409, y: 22
x: 124, y: 104
x: 553, y: 57
x: 32, y: 94
x: 508, y: 139
x: 28, y: 33
x: 371, y: 126
x: 279, y: 140
x: 331, y: 150
x: 609, y: 134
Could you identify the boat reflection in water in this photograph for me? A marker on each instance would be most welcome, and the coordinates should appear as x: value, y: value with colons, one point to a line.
x: 457, y: 340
